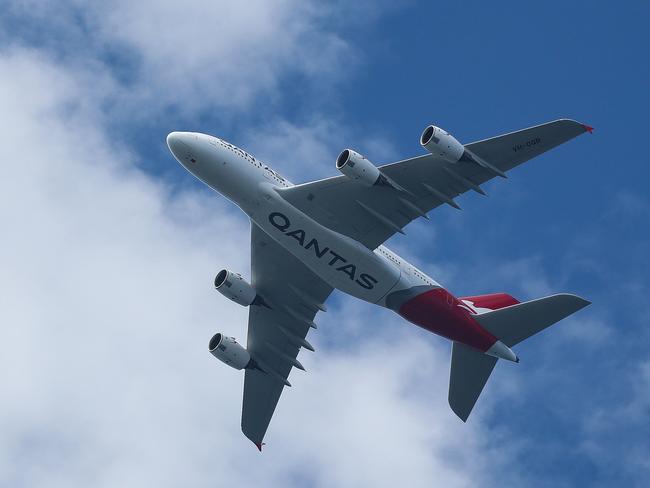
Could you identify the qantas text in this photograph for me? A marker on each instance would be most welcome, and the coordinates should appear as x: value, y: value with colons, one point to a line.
x: 283, y: 224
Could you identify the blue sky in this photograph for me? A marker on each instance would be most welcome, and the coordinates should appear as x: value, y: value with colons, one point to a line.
x: 294, y: 84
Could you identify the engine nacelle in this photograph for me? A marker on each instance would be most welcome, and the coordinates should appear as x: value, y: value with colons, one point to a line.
x: 233, y: 286
x: 442, y: 144
x: 229, y: 351
x: 358, y: 168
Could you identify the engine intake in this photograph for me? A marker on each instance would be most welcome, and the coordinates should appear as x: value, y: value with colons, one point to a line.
x: 229, y: 351
x: 358, y: 168
x: 442, y: 144
x: 233, y: 286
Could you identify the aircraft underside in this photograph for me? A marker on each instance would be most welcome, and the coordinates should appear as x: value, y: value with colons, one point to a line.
x: 308, y: 239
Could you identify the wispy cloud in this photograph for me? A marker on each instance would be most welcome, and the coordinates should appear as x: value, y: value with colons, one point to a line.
x: 107, y: 306
x: 192, y: 57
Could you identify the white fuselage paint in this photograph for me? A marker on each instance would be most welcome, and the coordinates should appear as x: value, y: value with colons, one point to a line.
x: 337, y: 259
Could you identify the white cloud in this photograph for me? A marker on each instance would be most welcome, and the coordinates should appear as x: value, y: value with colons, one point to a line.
x: 603, y: 440
x: 107, y: 308
x: 221, y: 53
x: 105, y: 289
x: 309, y: 150
x: 106, y: 302
x: 305, y: 149
x: 196, y: 56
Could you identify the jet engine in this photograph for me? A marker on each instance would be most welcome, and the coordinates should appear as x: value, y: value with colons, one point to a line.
x: 229, y: 351
x: 233, y: 286
x: 358, y: 168
x: 442, y: 144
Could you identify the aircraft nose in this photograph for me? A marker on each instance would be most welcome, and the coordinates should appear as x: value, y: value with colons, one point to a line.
x: 183, y: 147
x: 176, y: 141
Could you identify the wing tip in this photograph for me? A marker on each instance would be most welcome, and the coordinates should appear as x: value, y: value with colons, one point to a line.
x: 577, y: 301
x: 461, y: 413
x: 259, y: 445
x: 585, y: 127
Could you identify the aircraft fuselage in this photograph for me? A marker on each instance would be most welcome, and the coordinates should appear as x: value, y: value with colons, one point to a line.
x: 377, y: 276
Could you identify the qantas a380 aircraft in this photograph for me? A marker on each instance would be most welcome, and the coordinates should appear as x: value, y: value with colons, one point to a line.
x: 310, y: 238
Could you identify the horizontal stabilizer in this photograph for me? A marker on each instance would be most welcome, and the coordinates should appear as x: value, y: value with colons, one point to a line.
x: 470, y: 370
x: 518, y: 322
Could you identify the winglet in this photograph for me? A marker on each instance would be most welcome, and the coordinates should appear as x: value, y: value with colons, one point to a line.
x: 259, y: 445
x: 588, y: 128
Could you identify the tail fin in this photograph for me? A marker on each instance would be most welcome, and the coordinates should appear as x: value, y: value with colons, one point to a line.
x: 470, y: 368
x: 493, y: 301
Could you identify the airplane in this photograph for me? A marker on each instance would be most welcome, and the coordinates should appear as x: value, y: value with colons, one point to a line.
x: 310, y: 238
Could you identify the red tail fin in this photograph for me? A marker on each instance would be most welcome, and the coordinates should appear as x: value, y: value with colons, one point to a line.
x: 493, y: 301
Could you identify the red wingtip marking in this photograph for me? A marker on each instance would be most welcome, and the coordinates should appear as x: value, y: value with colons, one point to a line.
x: 259, y: 445
x: 588, y: 128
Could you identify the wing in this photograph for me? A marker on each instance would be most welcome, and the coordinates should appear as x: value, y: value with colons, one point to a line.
x: 276, y: 331
x: 372, y: 215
